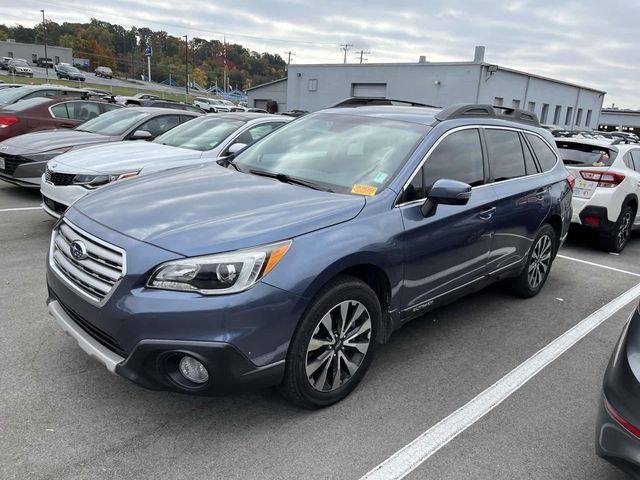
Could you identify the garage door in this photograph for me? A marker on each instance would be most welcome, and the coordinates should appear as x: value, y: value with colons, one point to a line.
x: 260, y: 104
x: 373, y: 90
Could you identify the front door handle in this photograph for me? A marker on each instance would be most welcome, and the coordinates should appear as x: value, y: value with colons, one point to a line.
x: 487, y: 213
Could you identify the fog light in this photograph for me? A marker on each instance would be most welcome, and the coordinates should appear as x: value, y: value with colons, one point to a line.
x: 193, y: 370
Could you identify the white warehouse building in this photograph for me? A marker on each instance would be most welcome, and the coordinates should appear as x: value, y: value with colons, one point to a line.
x: 556, y: 102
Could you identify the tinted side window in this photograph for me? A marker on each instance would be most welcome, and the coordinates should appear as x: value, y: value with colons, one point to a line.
x: 628, y: 161
x: 545, y: 155
x: 529, y: 162
x: 256, y: 133
x: 60, y: 111
x: 107, y: 107
x: 159, y: 125
x: 83, y: 110
x: 505, y: 154
x: 457, y: 157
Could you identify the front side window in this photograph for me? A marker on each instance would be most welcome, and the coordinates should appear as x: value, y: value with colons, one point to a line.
x: 457, y: 157
x: 159, y: 125
x: 343, y: 153
x: 505, y: 154
x: 546, y: 157
x: 254, y: 134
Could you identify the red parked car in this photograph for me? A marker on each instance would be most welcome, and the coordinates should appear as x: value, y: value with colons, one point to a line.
x: 42, y: 113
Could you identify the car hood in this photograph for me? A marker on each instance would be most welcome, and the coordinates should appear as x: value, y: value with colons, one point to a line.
x: 38, y: 142
x: 209, y: 209
x: 121, y: 156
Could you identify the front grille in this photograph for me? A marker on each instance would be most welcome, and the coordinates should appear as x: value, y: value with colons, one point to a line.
x: 96, y: 275
x: 58, y: 178
x: 11, y: 162
x: 100, y: 336
x: 53, y: 205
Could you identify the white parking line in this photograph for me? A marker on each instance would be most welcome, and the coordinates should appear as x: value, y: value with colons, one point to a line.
x: 407, y: 459
x: 599, y: 265
x: 20, y: 209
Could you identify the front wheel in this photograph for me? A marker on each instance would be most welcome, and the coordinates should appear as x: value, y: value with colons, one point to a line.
x: 334, y: 344
x: 536, y: 270
x: 616, y: 241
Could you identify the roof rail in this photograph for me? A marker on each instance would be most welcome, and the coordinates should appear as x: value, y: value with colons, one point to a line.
x: 471, y: 110
x: 366, y: 101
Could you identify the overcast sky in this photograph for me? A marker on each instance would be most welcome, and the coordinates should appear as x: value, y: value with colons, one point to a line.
x: 588, y: 42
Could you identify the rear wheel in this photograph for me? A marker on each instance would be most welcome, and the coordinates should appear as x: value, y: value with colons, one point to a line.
x: 618, y: 238
x: 333, y: 345
x: 536, y: 270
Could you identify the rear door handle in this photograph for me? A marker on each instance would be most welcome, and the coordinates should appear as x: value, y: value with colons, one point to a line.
x: 487, y: 213
x: 540, y: 193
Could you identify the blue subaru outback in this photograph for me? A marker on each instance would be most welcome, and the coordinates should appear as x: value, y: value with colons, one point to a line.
x: 290, y: 263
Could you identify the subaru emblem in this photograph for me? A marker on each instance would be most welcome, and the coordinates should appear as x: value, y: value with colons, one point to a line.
x: 78, y: 250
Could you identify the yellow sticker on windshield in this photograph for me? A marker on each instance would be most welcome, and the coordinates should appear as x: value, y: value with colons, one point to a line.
x: 364, y: 190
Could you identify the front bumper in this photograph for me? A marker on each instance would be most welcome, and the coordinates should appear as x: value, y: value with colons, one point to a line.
x: 24, y: 174
x: 56, y: 199
x: 153, y: 364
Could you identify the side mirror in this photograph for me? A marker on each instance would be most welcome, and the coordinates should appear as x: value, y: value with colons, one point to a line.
x: 446, y: 192
x: 141, y: 135
x: 235, y: 148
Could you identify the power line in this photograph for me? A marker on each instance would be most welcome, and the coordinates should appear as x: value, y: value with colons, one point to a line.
x: 345, y: 47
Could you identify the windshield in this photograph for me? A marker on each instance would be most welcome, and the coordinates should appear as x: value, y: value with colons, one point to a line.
x: 115, y: 122
x: 583, y: 155
x: 26, y: 104
x: 343, y: 153
x: 20, y: 64
x: 201, y: 134
x: 10, y: 95
x: 73, y: 70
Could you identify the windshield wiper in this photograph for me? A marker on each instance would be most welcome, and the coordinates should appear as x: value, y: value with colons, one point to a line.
x: 284, y: 178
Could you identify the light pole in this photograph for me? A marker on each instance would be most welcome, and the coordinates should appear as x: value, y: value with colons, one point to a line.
x: 44, y: 37
x: 186, y: 65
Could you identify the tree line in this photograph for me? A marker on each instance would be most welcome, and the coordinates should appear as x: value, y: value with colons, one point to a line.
x: 109, y: 45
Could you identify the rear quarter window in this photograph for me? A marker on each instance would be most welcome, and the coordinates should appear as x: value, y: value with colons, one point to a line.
x: 545, y: 155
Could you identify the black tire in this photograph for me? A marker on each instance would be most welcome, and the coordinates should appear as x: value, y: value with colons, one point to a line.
x: 297, y: 386
x: 534, y: 274
x: 616, y: 240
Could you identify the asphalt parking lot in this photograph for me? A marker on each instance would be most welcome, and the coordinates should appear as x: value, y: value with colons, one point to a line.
x: 62, y: 415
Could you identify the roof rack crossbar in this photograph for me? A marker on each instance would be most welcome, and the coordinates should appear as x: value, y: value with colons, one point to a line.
x: 367, y: 101
x: 471, y: 110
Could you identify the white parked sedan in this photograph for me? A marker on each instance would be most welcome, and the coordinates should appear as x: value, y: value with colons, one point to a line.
x: 73, y: 175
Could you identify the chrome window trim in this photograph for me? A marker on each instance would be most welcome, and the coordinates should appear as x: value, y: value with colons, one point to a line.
x: 72, y: 285
x: 468, y: 127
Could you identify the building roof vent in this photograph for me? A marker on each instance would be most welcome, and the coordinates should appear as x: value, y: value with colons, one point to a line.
x: 479, y: 54
x: 422, y: 59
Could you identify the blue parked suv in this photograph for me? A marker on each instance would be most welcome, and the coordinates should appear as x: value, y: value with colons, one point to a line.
x: 288, y: 264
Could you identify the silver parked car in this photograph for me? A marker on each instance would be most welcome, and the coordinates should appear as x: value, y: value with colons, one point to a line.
x: 208, y: 138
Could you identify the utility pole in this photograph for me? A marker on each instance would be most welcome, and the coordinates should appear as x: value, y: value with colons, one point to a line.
x: 362, y: 54
x: 224, y: 59
x: 44, y: 37
x: 345, y: 47
x: 289, y: 55
x: 186, y: 65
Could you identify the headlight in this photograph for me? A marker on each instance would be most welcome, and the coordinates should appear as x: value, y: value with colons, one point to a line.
x: 221, y: 273
x: 41, y: 157
x: 95, y: 181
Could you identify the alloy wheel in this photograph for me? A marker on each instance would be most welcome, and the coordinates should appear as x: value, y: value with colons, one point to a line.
x: 338, y: 346
x: 624, y: 230
x: 540, y: 261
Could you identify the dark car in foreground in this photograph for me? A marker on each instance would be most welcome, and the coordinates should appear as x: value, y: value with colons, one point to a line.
x: 618, y: 427
x: 41, y: 113
x: 23, y: 159
x: 289, y: 266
